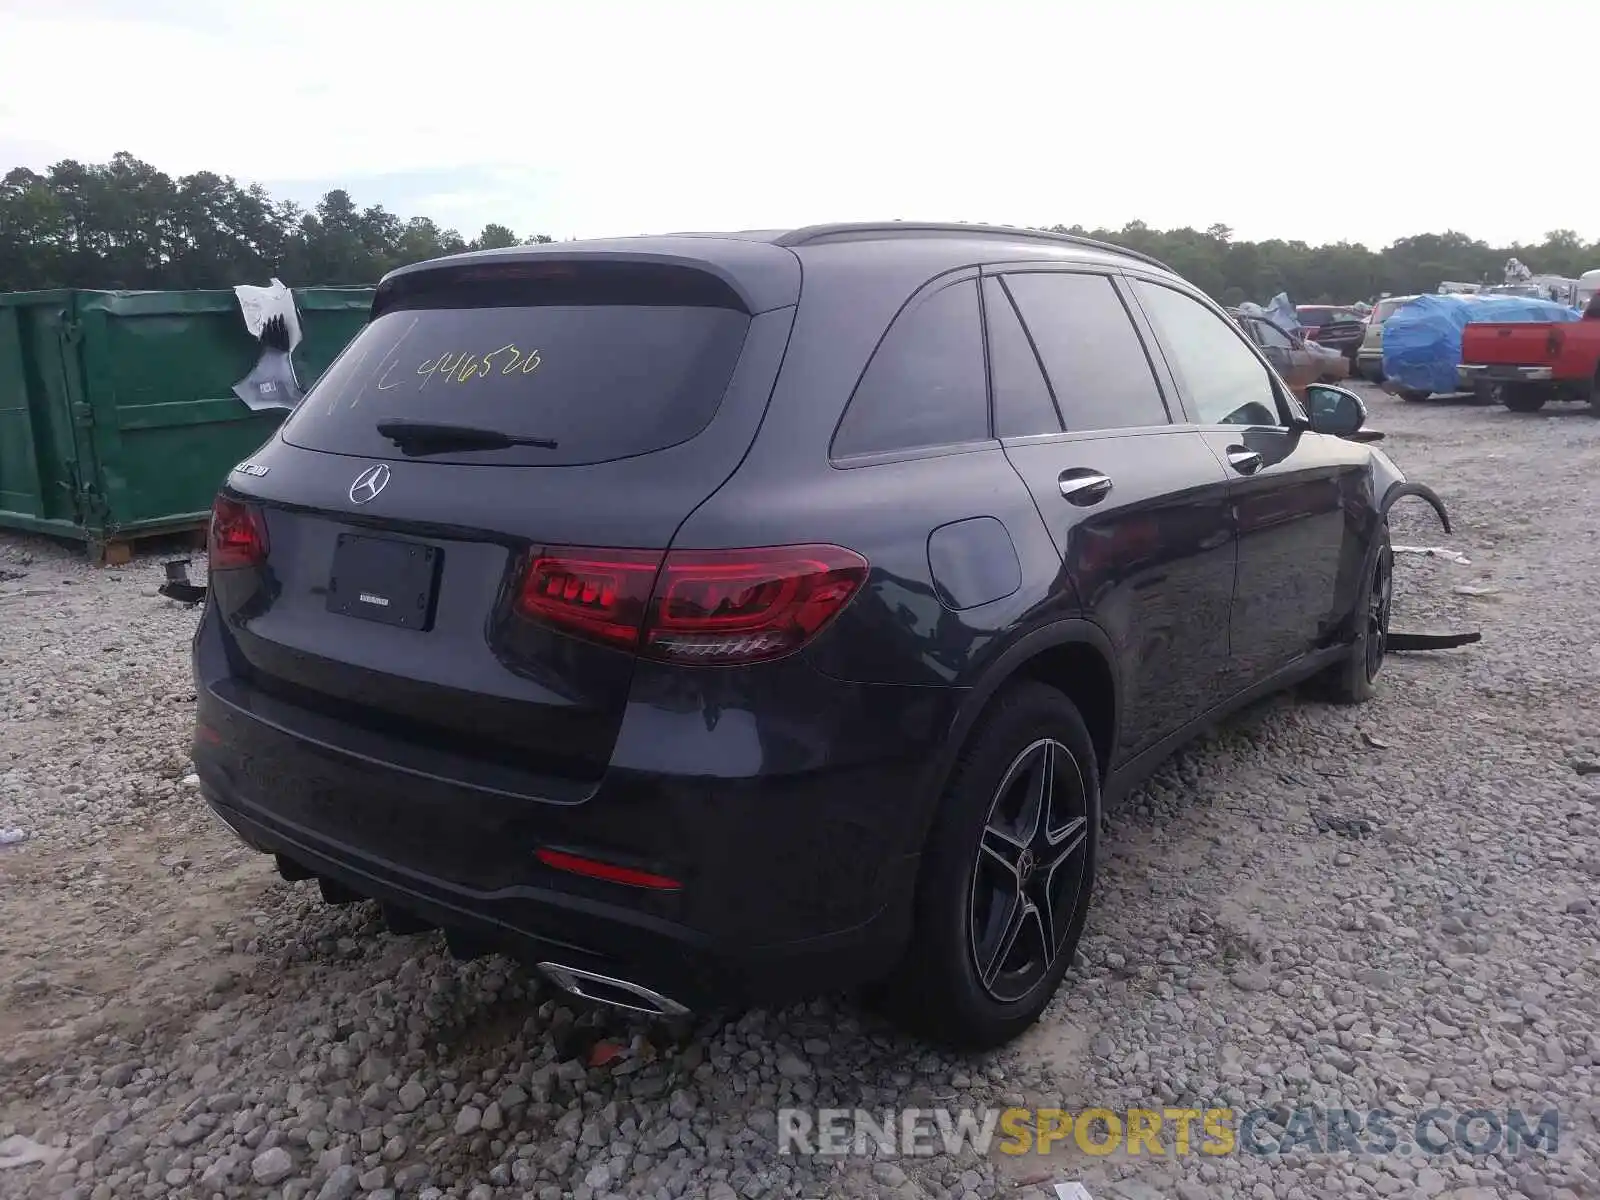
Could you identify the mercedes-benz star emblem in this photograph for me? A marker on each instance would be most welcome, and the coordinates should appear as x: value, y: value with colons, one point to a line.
x: 369, y: 483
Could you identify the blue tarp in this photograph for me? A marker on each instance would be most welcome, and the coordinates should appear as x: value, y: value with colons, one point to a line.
x: 1422, y: 340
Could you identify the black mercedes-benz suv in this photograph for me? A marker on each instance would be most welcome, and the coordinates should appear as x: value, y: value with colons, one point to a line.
x: 723, y: 618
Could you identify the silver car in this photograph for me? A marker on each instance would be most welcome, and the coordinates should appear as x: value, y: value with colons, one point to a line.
x: 1369, y: 358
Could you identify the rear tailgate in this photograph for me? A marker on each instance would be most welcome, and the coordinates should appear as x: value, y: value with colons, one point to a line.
x: 391, y: 607
x: 1510, y: 343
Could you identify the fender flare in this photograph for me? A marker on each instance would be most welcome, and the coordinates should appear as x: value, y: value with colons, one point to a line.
x: 1396, y: 491
x: 1402, y: 488
x: 994, y: 676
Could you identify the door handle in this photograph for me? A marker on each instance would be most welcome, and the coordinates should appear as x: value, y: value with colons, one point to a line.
x: 1244, y: 460
x: 1084, y: 487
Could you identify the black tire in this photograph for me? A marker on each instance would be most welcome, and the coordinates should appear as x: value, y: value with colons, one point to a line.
x: 1354, y: 678
x: 1524, y: 397
x: 969, y: 898
x: 1414, y: 394
x: 1594, y: 395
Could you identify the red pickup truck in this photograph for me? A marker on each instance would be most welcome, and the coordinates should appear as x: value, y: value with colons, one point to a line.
x: 1530, y: 363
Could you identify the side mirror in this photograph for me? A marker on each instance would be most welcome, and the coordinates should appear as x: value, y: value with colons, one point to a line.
x: 1334, y: 410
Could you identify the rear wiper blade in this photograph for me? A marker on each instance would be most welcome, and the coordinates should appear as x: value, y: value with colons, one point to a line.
x: 424, y: 437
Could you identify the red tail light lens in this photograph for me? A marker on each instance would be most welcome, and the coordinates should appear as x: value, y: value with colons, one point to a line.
x: 735, y: 606
x: 599, y: 594
x: 709, y: 607
x: 238, y: 536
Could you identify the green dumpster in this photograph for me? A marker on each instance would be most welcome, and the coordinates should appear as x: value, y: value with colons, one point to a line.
x: 117, y: 415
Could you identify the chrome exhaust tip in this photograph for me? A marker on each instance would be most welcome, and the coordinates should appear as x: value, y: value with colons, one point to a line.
x: 617, y: 993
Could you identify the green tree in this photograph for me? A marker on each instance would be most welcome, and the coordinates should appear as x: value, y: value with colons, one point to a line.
x: 125, y: 224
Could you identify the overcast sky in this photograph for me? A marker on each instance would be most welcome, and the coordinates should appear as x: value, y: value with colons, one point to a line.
x: 1357, y: 119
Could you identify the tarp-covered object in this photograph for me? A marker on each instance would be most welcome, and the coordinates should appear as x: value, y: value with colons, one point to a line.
x: 1283, y: 314
x: 1278, y: 310
x: 1422, y: 340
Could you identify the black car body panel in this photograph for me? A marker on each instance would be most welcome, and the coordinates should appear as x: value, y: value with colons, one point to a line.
x: 775, y: 808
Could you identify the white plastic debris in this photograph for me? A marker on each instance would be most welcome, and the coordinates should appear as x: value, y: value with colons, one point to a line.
x: 19, y: 1151
x: 1454, y: 556
x: 261, y: 303
x: 1072, y: 1191
x: 10, y: 837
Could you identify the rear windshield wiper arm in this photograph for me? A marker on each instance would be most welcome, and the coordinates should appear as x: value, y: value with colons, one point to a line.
x: 424, y: 437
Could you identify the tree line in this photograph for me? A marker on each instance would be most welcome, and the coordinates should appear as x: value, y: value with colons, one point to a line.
x: 1232, y: 271
x: 126, y: 224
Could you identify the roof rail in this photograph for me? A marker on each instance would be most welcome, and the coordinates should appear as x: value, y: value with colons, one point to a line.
x: 818, y: 233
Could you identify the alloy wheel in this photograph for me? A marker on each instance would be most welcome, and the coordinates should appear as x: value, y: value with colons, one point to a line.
x: 1029, y: 871
x: 1378, y: 605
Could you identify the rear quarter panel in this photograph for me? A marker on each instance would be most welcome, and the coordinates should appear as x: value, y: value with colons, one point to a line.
x: 897, y: 630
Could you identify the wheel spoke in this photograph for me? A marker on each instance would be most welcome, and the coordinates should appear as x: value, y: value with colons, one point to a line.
x: 1067, y: 843
x: 999, y: 849
x: 1016, y: 916
x: 1043, y: 924
x: 1063, y: 854
x: 1040, y: 785
x: 1064, y: 770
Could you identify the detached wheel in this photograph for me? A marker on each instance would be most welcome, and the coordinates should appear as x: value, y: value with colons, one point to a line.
x: 1006, y: 875
x: 1523, y: 397
x: 1354, y: 680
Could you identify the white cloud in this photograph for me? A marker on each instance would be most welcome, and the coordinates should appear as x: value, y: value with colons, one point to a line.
x: 1361, y: 121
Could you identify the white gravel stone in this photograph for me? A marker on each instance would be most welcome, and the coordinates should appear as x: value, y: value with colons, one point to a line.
x: 272, y: 1166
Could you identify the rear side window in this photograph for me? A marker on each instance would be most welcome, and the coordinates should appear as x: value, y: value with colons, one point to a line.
x: 925, y: 384
x: 603, y: 381
x: 1093, y: 358
x: 1270, y: 337
x: 1022, y: 403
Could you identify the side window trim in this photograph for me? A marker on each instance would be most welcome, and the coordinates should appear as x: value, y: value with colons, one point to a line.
x: 950, y: 278
x: 1172, y: 394
x: 1278, y: 392
x: 1033, y: 348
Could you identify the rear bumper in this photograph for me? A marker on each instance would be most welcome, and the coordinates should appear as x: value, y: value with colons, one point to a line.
x: 677, y: 963
x: 792, y: 883
x: 1498, y: 372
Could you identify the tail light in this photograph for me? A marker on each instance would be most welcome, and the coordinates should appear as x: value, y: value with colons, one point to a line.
x: 709, y: 607
x: 599, y: 594
x: 238, y: 536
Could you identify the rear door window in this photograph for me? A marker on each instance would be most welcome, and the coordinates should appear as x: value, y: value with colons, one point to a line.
x: 1022, y: 403
x: 1093, y: 358
x: 603, y: 381
x: 924, y: 386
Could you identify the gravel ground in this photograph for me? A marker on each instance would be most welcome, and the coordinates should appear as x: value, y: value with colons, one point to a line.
x: 1382, y: 907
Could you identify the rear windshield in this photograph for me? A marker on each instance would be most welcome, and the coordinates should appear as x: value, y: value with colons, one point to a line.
x: 603, y: 381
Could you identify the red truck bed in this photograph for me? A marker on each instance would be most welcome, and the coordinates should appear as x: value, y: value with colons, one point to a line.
x: 1532, y: 362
